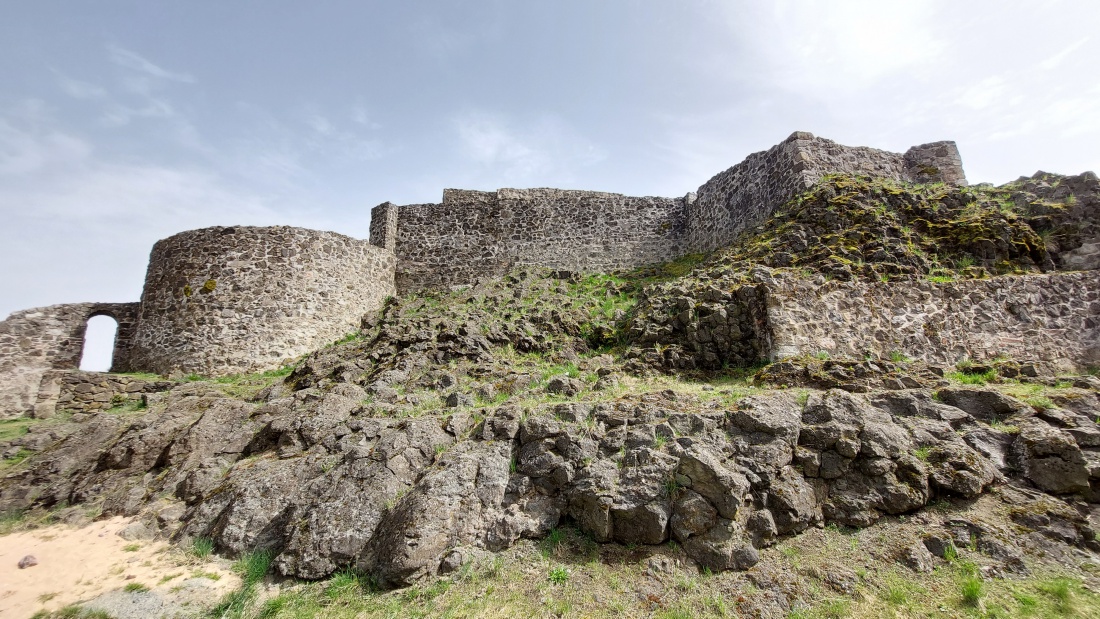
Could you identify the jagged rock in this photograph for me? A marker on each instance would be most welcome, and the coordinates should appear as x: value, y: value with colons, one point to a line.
x: 449, y: 507
x: 705, y: 475
x: 939, y: 545
x: 985, y: 404
x: 691, y: 515
x: 1051, y: 459
x: 916, y: 557
x: 562, y: 384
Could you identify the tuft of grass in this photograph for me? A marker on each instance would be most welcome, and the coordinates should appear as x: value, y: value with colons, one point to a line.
x: 1040, y: 403
x: 201, y: 547
x: 135, y: 587
x: 972, y: 590
x: 131, y: 548
x: 968, y: 378
x: 252, y: 567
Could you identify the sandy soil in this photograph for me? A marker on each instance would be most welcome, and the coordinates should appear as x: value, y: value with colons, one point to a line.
x: 80, y: 564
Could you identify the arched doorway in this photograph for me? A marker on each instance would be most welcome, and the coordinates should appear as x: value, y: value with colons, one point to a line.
x: 99, y: 344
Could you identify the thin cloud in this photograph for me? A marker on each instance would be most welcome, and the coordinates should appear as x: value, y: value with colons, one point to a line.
x: 546, y: 149
x: 1057, y: 59
x: 80, y: 90
x: 131, y: 60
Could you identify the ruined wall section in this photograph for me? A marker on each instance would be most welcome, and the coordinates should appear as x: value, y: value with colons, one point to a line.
x: 745, y: 195
x: 1054, y: 317
x: 242, y: 299
x: 475, y: 234
x: 35, y: 341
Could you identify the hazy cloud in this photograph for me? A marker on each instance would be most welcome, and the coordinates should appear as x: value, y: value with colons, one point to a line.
x: 131, y: 60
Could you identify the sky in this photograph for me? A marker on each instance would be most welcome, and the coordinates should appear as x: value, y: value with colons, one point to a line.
x: 124, y: 122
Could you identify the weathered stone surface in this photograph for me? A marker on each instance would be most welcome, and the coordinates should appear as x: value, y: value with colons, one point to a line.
x: 35, y: 341
x: 1051, y: 459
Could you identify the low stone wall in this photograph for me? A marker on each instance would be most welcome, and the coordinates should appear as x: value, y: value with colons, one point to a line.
x: 475, y: 234
x: 85, y: 392
x: 1054, y: 317
x: 243, y: 299
x: 37, y: 340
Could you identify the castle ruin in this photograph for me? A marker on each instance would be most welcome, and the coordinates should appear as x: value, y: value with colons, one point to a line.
x: 238, y: 299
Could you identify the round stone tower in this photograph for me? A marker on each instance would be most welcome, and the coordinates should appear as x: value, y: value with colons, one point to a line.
x: 236, y: 299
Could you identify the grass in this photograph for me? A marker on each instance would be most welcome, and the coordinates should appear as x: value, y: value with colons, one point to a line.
x: 201, y: 547
x: 252, y: 567
x: 135, y: 587
x: 72, y: 611
x: 973, y: 378
x: 1040, y: 403
x: 14, y: 428
x: 131, y: 547
x: 972, y: 590
x: 559, y: 575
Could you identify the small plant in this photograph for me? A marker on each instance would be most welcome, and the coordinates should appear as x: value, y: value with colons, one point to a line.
x: 131, y: 547
x: 559, y: 575
x: 135, y: 587
x: 899, y: 357
x: 201, y: 547
x: 1040, y: 403
x: 972, y: 590
x: 822, y: 355
x: 672, y: 488
x: 803, y: 398
x: 950, y: 554
x: 922, y: 453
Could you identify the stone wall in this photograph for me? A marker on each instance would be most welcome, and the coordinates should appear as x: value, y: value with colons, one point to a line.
x: 37, y: 340
x: 475, y: 234
x: 746, y: 194
x: 1054, y: 317
x: 241, y: 299
x: 86, y: 392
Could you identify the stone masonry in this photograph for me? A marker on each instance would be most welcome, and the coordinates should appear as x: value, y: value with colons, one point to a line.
x: 35, y: 341
x: 241, y: 299
x: 474, y: 234
x: 1054, y: 317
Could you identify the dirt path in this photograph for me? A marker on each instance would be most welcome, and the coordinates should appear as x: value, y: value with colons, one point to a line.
x: 79, y: 565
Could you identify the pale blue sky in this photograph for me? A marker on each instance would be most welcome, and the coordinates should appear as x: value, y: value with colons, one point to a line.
x: 122, y: 122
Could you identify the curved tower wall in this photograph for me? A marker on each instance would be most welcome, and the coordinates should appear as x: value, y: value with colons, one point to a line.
x: 243, y: 299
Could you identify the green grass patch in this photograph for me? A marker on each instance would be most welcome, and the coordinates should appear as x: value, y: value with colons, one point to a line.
x: 201, y: 547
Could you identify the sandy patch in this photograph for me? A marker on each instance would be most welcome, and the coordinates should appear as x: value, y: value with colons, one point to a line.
x: 77, y: 565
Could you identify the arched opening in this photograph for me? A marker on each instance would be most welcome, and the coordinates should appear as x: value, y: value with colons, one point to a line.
x: 99, y: 344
